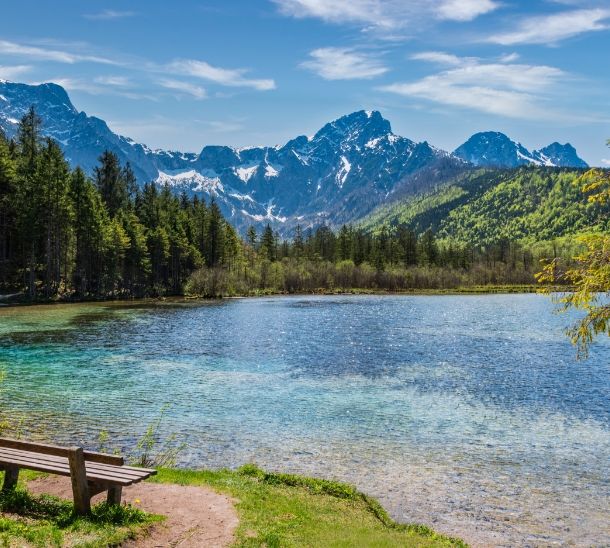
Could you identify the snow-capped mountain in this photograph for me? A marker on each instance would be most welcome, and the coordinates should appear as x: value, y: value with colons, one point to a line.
x: 340, y: 174
x: 560, y: 155
x: 348, y: 167
x: 82, y: 137
x: 494, y: 149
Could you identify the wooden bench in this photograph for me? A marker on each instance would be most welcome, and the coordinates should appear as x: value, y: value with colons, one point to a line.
x: 91, y: 473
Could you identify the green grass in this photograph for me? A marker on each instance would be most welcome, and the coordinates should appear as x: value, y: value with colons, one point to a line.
x: 288, y: 510
x: 45, y: 521
x: 274, y: 510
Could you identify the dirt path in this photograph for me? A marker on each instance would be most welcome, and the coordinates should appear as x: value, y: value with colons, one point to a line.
x: 196, y: 516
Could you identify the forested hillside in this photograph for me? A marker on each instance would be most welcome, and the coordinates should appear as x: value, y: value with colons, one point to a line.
x: 483, y: 207
x: 64, y: 235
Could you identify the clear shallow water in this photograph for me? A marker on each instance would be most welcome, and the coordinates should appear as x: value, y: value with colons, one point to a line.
x: 468, y: 413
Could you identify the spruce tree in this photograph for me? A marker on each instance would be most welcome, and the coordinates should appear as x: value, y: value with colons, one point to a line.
x: 112, y: 182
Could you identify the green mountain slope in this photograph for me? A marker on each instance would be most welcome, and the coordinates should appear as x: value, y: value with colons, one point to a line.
x: 487, y: 206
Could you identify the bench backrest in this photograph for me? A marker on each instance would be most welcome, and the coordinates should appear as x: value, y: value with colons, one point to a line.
x: 57, y: 451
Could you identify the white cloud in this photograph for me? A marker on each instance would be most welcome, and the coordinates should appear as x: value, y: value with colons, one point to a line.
x: 439, y: 57
x: 605, y: 162
x: 343, y: 64
x: 513, y: 90
x: 184, y: 87
x: 47, y: 54
x: 465, y: 10
x: 106, y: 15
x: 368, y: 12
x: 76, y: 84
x: 96, y: 87
x: 385, y: 14
x: 117, y: 81
x: 225, y: 77
x: 550, y: 29
x: 11, y: 72
x: 509, y: 58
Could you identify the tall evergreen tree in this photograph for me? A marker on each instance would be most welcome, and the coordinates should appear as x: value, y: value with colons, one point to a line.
x: 29, y: 204
x: 90, y: 218
x: 53, y: 183
x: 8, y: 175
x: 112, y: 182
x: 215, y: 236
x: 268, y: 244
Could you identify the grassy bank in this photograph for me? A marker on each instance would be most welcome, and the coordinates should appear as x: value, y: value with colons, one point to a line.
x: 274, y: 510
x: 43, y: 521
x: 290, y: 510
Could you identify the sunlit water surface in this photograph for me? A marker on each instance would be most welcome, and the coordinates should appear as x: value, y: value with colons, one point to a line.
x: 467, y: 413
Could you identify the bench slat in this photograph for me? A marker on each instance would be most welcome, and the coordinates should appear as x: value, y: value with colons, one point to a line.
x: 38, y: 466
x: 61, y: 469
x: 46, y: 449
x: 133, y: 474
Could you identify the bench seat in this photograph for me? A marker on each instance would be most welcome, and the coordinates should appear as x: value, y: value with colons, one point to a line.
x: 95, y: 472
x: 91, y: 473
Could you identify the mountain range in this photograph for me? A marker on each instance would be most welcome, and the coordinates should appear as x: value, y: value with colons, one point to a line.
x: 340, y: 174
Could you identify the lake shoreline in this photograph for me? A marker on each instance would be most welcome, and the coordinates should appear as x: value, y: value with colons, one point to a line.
x: 16, y: 299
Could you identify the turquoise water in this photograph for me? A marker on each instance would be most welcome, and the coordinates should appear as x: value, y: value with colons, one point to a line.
x: 468, y: 413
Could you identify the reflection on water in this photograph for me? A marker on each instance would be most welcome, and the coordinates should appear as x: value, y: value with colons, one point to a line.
x: 467, y: 413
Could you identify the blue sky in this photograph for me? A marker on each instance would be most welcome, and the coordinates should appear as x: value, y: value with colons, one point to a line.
x: 187, y: 73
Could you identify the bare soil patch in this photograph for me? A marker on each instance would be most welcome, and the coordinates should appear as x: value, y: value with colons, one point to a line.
x: 195, y: 516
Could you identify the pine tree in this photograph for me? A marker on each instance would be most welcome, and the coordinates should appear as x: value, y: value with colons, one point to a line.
x: 8, y: 175
x: 215, y: 236
x: 90, y: 217
x: 298, y: 244
x: 53, y: 183
x: 28, y: 200
x: 251, y: 237
x: 268, y: 244
x: 112, y: 182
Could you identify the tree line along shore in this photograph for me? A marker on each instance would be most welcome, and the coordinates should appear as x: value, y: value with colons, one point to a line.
x: 65, y: 236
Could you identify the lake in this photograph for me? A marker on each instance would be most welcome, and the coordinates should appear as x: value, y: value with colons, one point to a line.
x: 467, y: 413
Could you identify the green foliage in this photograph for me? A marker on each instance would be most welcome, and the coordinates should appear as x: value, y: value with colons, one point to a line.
x: 525, y: 205
x: 61, y: 512
x: 153, y: 451
x: 44, y: 521
x: 588, y: 275
x: 64, y: 236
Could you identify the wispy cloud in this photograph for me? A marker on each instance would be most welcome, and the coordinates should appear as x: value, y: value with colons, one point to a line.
x: 106, y: 15
x: 188, y: 67
x: 100, y: 86
x: 550, y: 29
x: 505, y: 89
x: 14, y: 71
x: 606, y: 162
x: 184, y: 88
x: 218, y: 75
x: 343, y: 64
x: 509, y: 57
x: 222, y: 126
x: 48, y: 54
x: 385, y: 14
x: 439, y: 57
x: 115, y: 81
x: 465, y: 10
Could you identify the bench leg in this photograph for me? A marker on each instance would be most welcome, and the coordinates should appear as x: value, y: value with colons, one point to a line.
x: 11, y: 475
x: 80, y: 487
x: 114, y: 494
